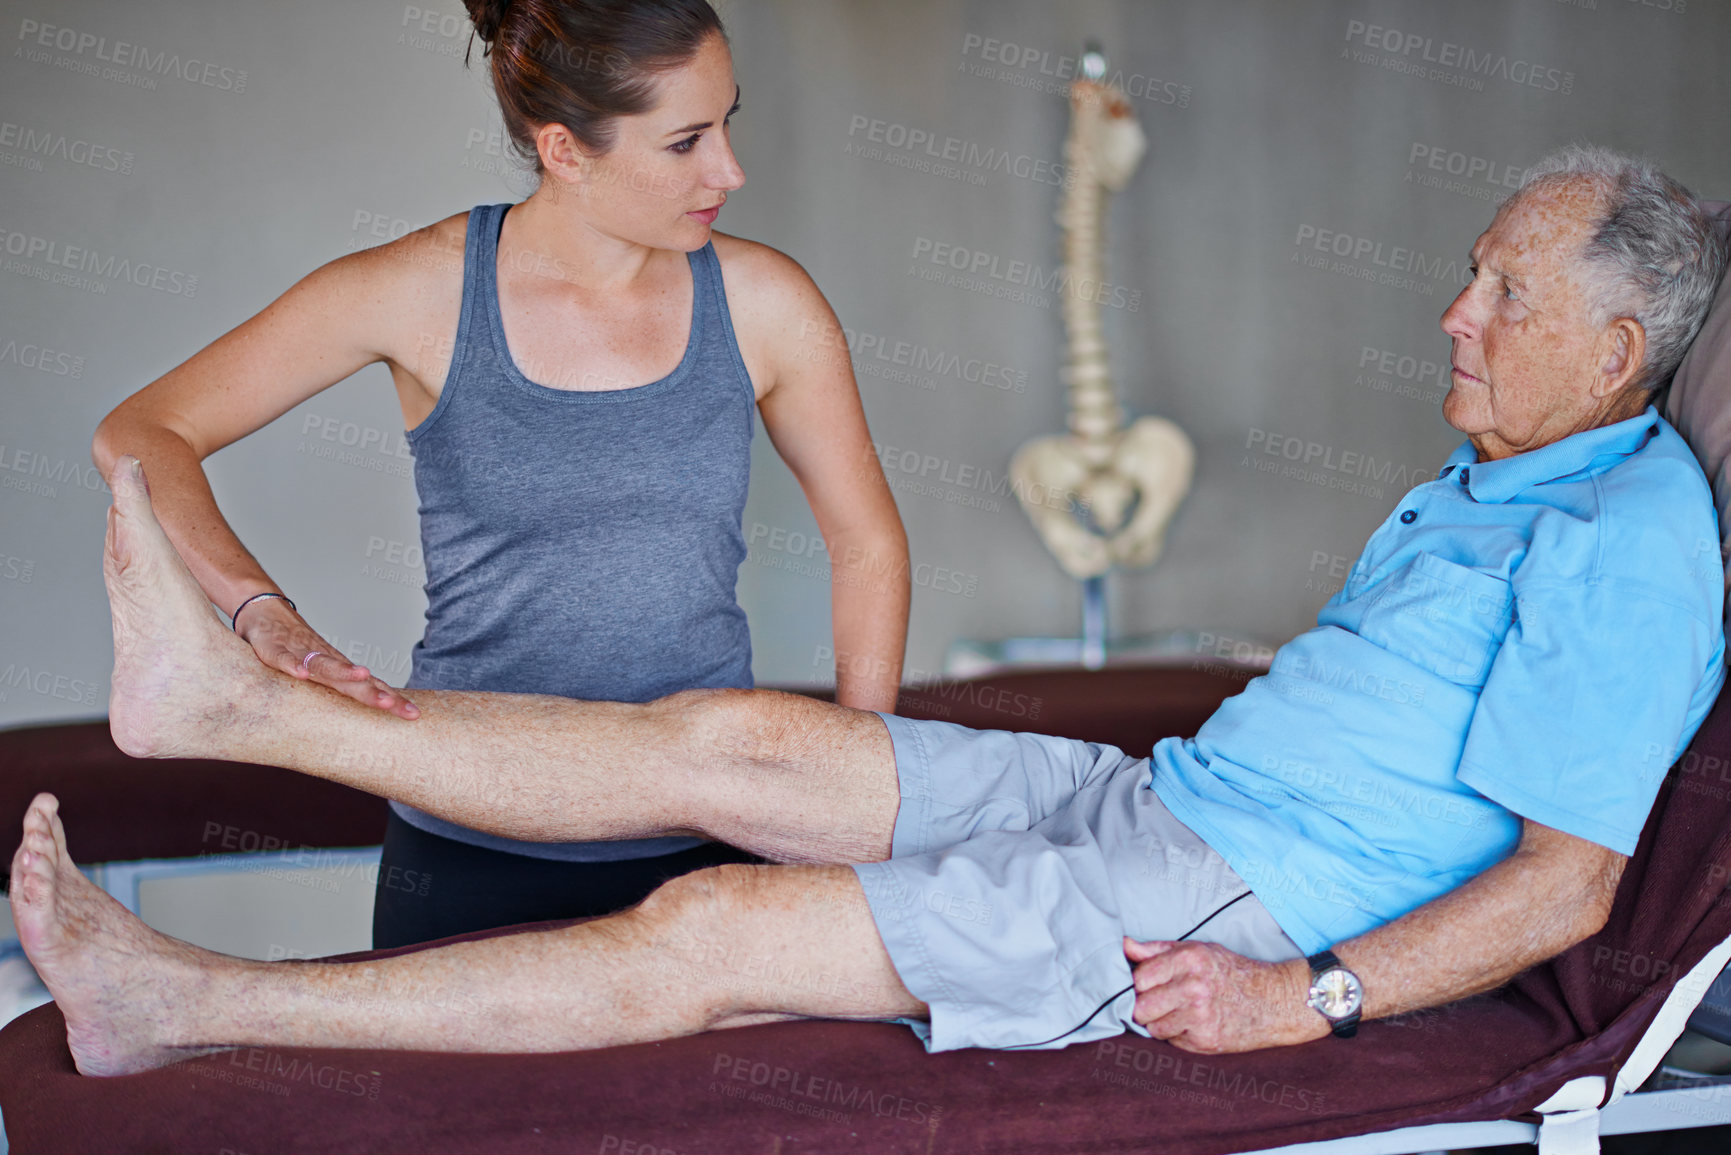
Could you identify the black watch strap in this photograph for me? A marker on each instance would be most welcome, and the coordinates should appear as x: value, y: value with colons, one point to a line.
x: 1322, y: 960
x: 1325, y: 960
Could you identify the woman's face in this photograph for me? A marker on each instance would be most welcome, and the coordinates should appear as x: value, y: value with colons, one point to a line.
x: 668, y: 171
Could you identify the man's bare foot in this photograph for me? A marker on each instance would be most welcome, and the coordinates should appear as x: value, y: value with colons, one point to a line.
x: 180, y: 677
x: 118, y: 983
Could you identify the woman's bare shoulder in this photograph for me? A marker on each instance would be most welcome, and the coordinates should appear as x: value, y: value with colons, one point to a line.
x: 428, y: 259
x: 778, y: 310
x: 765, y: 282
x: 757, y: 266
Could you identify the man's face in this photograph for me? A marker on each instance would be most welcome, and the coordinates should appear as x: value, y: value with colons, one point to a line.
x: 1525, y: 357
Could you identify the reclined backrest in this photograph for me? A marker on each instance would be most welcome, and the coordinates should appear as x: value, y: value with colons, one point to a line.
x: 1699, y: 403
x: 1699, y: 406
x: 1671, y: 906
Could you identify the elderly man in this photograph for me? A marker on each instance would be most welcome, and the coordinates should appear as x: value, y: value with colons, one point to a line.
x: 1432, y: 790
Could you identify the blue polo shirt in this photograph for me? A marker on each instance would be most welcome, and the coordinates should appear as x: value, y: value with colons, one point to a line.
x: 1537, y: 637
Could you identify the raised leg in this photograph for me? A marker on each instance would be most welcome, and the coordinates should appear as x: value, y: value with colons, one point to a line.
x: 725, y: 947
x: 787, y: 777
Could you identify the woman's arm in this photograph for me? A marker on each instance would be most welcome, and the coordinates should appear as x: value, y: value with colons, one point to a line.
x: 812, y: 413
x: 332, y: 323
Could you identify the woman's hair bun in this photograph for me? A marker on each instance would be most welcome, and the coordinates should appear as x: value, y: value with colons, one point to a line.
x: 487, y: 15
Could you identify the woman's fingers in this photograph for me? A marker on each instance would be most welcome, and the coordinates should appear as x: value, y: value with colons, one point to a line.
x: 329, y: 667
x: 387, y: 697
x: 334, y: 671
x: 357, y: 682
x: 393, y: 700
x: 283, y: 641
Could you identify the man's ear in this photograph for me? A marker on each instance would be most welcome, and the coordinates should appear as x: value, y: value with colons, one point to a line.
x: 1622, y: 352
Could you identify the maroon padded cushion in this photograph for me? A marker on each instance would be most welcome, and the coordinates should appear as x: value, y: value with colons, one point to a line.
x: 119, y: 809
x: 829, y: 1086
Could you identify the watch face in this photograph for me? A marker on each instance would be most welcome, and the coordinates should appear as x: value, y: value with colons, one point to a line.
x: 1336, y: 993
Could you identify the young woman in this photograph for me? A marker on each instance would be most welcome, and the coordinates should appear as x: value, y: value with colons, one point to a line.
x: 578, y: 375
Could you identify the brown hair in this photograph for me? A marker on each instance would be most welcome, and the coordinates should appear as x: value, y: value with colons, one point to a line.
x: 582, y: 63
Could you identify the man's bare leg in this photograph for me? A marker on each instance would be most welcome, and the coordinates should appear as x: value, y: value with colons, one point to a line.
x: 787, y: 777
x: 724, y: 947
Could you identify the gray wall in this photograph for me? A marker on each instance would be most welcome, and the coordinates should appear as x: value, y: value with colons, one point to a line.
x: 204, y: 154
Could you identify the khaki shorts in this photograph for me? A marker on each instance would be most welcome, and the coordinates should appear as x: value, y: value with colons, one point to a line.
x: 1018, y: 864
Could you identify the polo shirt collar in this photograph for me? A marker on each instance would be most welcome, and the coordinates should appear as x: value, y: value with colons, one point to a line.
x: 1498, y: 481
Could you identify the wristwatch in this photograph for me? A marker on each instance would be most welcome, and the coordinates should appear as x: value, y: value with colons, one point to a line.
x: 1335, y: 993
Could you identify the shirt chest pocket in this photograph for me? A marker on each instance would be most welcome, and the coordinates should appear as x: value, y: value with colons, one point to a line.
x: 1447, y: 618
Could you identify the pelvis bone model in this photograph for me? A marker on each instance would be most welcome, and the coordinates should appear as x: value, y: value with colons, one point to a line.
x: 1123, y: 484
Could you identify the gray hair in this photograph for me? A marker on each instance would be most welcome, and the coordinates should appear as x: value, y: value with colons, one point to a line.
x: 1654, y: 256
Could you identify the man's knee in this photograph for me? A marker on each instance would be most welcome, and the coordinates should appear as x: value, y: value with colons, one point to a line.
x: 697, y: 923
x: 703, y: 715
x: 705, y: 895
x: 749, y: 726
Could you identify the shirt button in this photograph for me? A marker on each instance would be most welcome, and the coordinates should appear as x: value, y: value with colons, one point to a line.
x: 1465, y: 473
x: 1409, y: 517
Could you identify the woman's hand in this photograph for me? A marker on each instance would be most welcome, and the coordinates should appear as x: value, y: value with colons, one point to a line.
x: 283, y: 641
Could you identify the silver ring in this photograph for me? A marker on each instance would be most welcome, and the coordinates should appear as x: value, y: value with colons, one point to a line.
x: 306, y: 662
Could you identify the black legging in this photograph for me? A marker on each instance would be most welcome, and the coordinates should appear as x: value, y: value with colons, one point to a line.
x: 432, y: 887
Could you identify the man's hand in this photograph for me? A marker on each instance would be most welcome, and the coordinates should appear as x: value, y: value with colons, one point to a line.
x: 1552, y: 892
x: 1202, y: 997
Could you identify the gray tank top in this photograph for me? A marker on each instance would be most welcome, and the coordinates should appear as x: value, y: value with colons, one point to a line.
x: 584, y: 544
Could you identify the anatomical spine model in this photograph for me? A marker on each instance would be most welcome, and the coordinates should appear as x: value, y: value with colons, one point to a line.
x: 1126, y: 481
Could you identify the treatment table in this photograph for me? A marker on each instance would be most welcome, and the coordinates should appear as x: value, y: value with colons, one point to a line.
x: 1559, y: 1052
